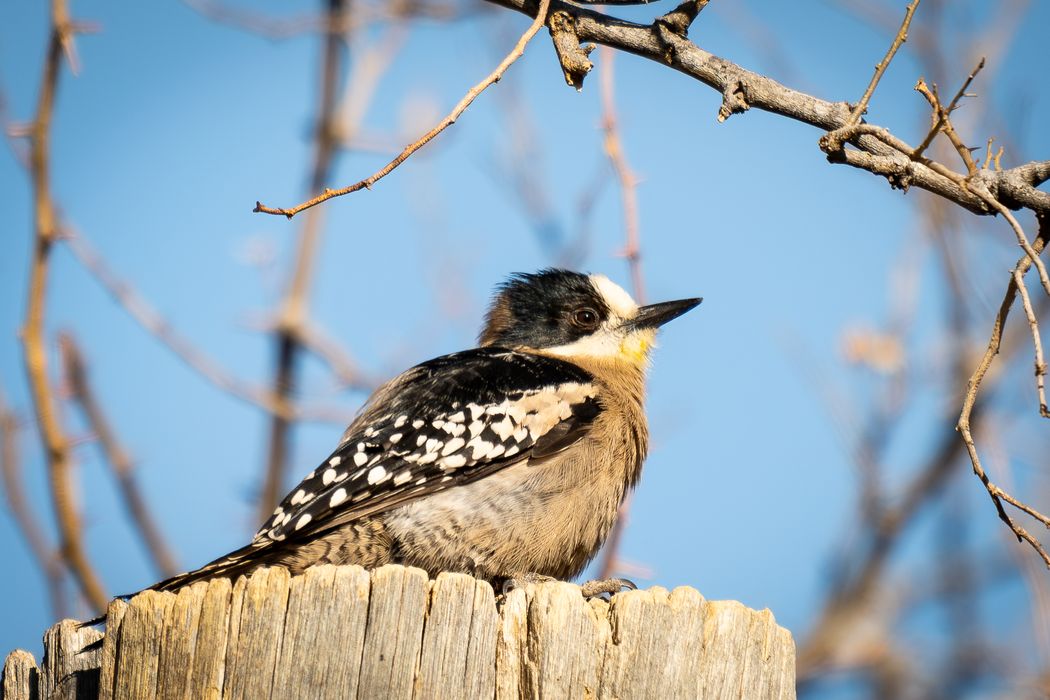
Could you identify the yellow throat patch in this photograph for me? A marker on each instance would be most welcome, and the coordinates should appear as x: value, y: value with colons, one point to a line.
x: 636, y: 346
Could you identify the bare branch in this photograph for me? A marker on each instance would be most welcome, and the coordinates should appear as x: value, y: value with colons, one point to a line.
x: 449, y: 120
x: 1022, y: 239
x: 742, y: 89
x: 1037, y: 343
x: 682, y: 17
x: 53, y: 437
x: 118, y: 458
x: 973, y: 386
x: 941, y: 117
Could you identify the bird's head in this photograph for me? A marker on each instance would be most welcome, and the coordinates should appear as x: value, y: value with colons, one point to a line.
x: 575, y: 315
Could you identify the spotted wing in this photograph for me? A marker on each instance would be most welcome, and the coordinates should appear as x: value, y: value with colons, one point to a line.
x: 441, y: 424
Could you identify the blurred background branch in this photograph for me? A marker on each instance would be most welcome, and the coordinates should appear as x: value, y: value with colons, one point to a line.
x: 76, y: 378
x: 54, y: 441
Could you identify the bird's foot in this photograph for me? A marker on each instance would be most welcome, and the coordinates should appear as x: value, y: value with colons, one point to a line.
x: 524, y: 579
x: 597, y: 587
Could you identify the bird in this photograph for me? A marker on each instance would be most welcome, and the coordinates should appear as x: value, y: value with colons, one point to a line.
x: 507, y: 461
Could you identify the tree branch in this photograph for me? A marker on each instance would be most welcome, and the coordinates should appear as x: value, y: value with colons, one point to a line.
x: 742, y: 89
x: 973, y: 387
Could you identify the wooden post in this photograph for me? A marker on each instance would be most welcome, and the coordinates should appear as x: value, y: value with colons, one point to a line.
x: 343, y: 632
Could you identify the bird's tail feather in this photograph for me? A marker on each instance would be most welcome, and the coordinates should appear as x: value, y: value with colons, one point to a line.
x: 238, y: 562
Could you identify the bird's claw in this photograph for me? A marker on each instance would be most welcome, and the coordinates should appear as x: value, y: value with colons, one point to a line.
x: 597, y: 587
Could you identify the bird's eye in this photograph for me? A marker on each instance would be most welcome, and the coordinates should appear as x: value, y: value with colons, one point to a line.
x: 585, y: 317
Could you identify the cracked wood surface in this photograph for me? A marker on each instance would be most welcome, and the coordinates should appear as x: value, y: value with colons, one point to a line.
x: 343, y: 632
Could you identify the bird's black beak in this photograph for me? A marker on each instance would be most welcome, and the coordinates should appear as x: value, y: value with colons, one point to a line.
x: 656, y: 315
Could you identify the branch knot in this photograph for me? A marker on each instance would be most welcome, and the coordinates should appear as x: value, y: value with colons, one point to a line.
x: 571, y: 54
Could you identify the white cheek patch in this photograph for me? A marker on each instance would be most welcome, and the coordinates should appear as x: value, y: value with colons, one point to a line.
x: 605, y: 342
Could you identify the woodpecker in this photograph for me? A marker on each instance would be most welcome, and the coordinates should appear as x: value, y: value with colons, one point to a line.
x: 508, y: 461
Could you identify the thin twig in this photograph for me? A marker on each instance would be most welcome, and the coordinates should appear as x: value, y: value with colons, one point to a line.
x: 52, y: 435
x: 902, y: 35
x: 942, y: 118
x: 1022, y: 239
x: 1037, y: 343
x: 49, y: 560
x: 449, y: 120
x: 118, y: 458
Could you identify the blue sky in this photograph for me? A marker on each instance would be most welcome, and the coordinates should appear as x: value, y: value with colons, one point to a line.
x: 175, y: 126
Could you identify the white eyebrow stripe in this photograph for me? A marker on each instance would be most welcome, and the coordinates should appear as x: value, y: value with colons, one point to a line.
x: 619, y: 301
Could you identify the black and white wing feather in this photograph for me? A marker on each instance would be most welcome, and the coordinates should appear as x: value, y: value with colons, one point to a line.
x: 443, y: 423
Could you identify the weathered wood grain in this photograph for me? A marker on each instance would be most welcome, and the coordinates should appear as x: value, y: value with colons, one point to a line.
x: 208, y: 668
x: 107, y: 673
x: 343, y: 632
x: 565, y: 644
x: 256, y: 630
x: 21, y: 677
x: 394, y: 635
x: 652, y: 651
x: 324, y: 633
x: 454, y: 664
x: 511, y: 645
x: 70, y: 669
x: 139, y: 645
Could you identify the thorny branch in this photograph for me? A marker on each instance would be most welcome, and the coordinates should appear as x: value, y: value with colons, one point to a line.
x: 52, y: 435
x: 448, y: 121
x: 76, y: 377
x: 833, y: 641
